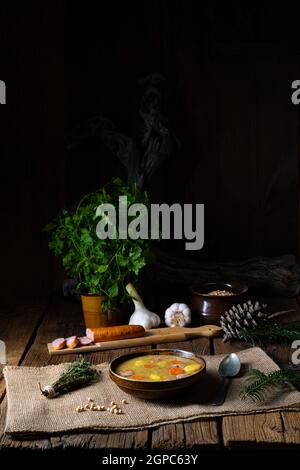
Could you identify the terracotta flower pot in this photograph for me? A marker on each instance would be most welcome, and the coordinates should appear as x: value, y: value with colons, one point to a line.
x: 92, y: 311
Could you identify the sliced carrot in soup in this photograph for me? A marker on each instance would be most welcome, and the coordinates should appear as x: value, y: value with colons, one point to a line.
x: 176, y: 361
x: 175, y: 371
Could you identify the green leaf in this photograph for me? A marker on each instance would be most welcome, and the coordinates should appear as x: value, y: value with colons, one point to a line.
x: 102, y: 268
x: 98, y: 266
x: 86, y: 238
x: 113, y: 290
x: 122, y: 260
x: 51, y: 226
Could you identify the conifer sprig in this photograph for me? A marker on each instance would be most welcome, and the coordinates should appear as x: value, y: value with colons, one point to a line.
x: 272, y: 331
x: 262, y: 384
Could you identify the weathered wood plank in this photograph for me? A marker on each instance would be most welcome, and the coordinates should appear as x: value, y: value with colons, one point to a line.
x: 117, y: 440
x: 264, y: 429
x: 202, y: 433
x: 64, y: 318
x: 291, y: 427
x: 182, y: 435
x: 290, y: 419
x: 229, y: 347
x: 170, y: 436
x: 26, y: 318
x: 249, y: 430
x: 281, y: 354
x: 17, y: 329
x: 261, y: 430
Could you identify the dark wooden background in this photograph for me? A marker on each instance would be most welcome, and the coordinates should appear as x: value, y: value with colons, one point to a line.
x: 228, y: 71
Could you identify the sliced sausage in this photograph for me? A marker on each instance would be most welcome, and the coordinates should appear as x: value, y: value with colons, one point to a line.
x: 126, y: 373
x: 72, y: 342
x: 85, y: 341
x: 111, y: 333
x: 58, y: 343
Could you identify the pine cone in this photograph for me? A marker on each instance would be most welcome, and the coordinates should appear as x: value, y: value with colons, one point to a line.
x: 247, y: 316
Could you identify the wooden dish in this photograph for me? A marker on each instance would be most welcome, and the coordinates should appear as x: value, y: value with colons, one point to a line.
x: 211, y: 307
x: 156, y: 390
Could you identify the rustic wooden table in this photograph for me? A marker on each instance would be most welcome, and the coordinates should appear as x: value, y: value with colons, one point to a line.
x: 28, y: 327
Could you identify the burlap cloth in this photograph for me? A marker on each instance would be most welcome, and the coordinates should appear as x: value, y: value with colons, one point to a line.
x: 31, y: 413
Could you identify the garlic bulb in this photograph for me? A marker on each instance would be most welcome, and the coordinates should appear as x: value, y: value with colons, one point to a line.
x: 141, y: 315
x: 178, y: 315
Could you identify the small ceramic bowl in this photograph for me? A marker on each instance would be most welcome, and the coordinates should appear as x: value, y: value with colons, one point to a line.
x: 156, y: 390
x: 210, y: 307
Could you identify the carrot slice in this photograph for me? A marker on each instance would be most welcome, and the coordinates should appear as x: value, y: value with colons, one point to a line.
x: 137, y: 377
x: 148, y: 366
x: 176, y: 371
x: 176, y: 361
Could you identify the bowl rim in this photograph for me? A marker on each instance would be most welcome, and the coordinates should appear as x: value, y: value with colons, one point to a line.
x: 146, y: 352
x: 196, y: 289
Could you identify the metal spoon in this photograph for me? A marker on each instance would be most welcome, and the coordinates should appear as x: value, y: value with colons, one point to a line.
x: 229, y: 367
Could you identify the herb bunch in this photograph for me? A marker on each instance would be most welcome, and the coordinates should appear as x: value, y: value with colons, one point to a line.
x: 76, y: 375
x: 101, y: 267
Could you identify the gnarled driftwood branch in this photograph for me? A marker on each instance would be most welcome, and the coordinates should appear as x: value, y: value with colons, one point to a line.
x: 280, y: 275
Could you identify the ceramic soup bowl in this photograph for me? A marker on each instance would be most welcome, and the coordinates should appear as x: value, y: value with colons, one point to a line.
x: 152, y: 389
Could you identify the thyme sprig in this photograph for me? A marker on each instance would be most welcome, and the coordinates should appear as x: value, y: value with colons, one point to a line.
x: 76, y: 375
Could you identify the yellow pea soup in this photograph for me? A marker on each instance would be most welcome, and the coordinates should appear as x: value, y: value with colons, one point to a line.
x: 158, y: 368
